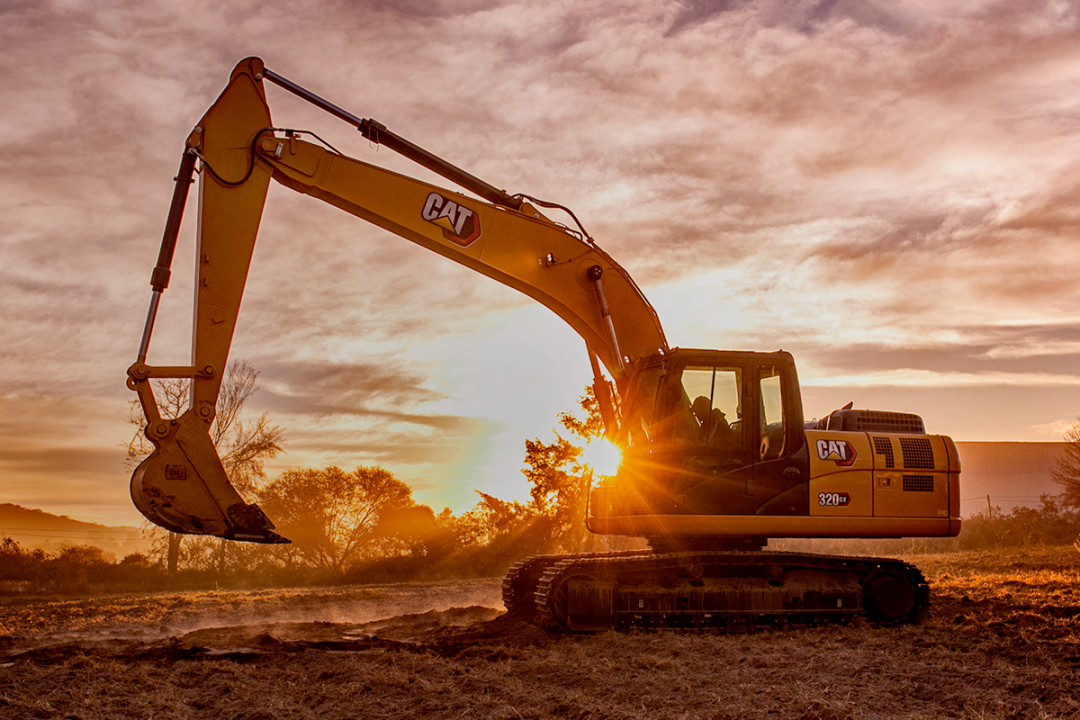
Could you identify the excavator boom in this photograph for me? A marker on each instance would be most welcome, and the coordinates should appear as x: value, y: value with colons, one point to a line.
x: 182, y: 485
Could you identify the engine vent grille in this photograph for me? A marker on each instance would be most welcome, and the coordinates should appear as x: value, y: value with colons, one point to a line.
x: 883, y: 447
x: 918, y: 483
x: 873, y: 421
x: 889, y: 422
x: 918, y: 453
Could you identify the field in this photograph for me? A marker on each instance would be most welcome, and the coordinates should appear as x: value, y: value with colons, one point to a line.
x: 1002, y: 641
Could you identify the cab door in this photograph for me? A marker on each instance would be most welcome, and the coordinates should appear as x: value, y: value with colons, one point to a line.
x: 707, y: 448
x: 781, y: 463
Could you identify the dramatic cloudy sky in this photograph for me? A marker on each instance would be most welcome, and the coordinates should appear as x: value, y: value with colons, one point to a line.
x: 886, y: 189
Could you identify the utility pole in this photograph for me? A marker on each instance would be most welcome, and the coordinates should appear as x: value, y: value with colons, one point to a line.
x: 174, y: 552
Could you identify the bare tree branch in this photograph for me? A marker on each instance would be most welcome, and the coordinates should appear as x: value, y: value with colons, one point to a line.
x: 1067, y: 471
x: 237, y: 387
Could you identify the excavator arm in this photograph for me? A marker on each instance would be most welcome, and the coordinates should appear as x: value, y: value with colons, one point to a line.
x: 182, y: 485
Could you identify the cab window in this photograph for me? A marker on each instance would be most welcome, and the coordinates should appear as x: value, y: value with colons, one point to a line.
x: 772, y: 412
x: 709, y: 410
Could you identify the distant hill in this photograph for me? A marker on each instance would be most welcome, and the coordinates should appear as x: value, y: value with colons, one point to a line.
x: 1011, y: 473
x: 38, y: 529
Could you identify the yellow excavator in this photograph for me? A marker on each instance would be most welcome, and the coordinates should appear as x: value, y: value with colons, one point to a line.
x: 716, y: 455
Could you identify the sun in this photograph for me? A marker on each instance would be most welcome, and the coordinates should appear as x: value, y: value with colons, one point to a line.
x: 601, y: 457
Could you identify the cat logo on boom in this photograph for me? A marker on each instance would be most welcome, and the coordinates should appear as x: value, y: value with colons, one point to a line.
x: 459, y: 224
x: 841, y: 452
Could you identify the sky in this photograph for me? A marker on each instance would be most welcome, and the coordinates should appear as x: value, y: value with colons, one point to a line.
x: 885, y: 189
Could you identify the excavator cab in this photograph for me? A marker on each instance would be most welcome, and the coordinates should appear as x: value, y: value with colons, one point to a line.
x: 717, y: 454
x: 725, y: 438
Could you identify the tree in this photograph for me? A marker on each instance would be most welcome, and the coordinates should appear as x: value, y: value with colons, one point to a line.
x: 559, y: 484
x: 333, y: 517
x: 1067, y: 471
x: 560, y: 479
x: 591, y: 426
x: 243, y: 447
x: 18, y: 564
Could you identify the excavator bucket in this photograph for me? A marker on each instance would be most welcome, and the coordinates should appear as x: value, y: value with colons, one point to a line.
x: 182, y: 487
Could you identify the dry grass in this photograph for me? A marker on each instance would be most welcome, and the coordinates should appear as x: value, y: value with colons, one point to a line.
x: 1001, y: 642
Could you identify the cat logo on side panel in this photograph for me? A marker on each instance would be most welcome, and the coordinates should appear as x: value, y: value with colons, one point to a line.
x: 841, y: 452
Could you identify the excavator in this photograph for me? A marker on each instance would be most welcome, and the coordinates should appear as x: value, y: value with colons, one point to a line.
x: 717, y: 458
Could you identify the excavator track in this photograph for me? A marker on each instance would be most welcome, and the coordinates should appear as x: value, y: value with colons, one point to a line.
x: 732, y: 591
x: 519, y: 583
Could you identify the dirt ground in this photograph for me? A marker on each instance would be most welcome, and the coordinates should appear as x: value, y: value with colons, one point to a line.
x: 1002, y: 641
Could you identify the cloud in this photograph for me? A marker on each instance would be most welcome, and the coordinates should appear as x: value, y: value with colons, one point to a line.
x: 886, y: 189
x: 63, y: 453
x: 346, y: 383
x: 58, y: 461
x: 803, y: 17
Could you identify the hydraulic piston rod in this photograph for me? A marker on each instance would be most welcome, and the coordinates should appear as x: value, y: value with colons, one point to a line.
x: 377, y: 133
x: 159, y: 279
x: 595, y: 274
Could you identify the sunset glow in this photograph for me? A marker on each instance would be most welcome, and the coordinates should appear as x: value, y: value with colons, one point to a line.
x: 885, y: 190
x: 601, y: 457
